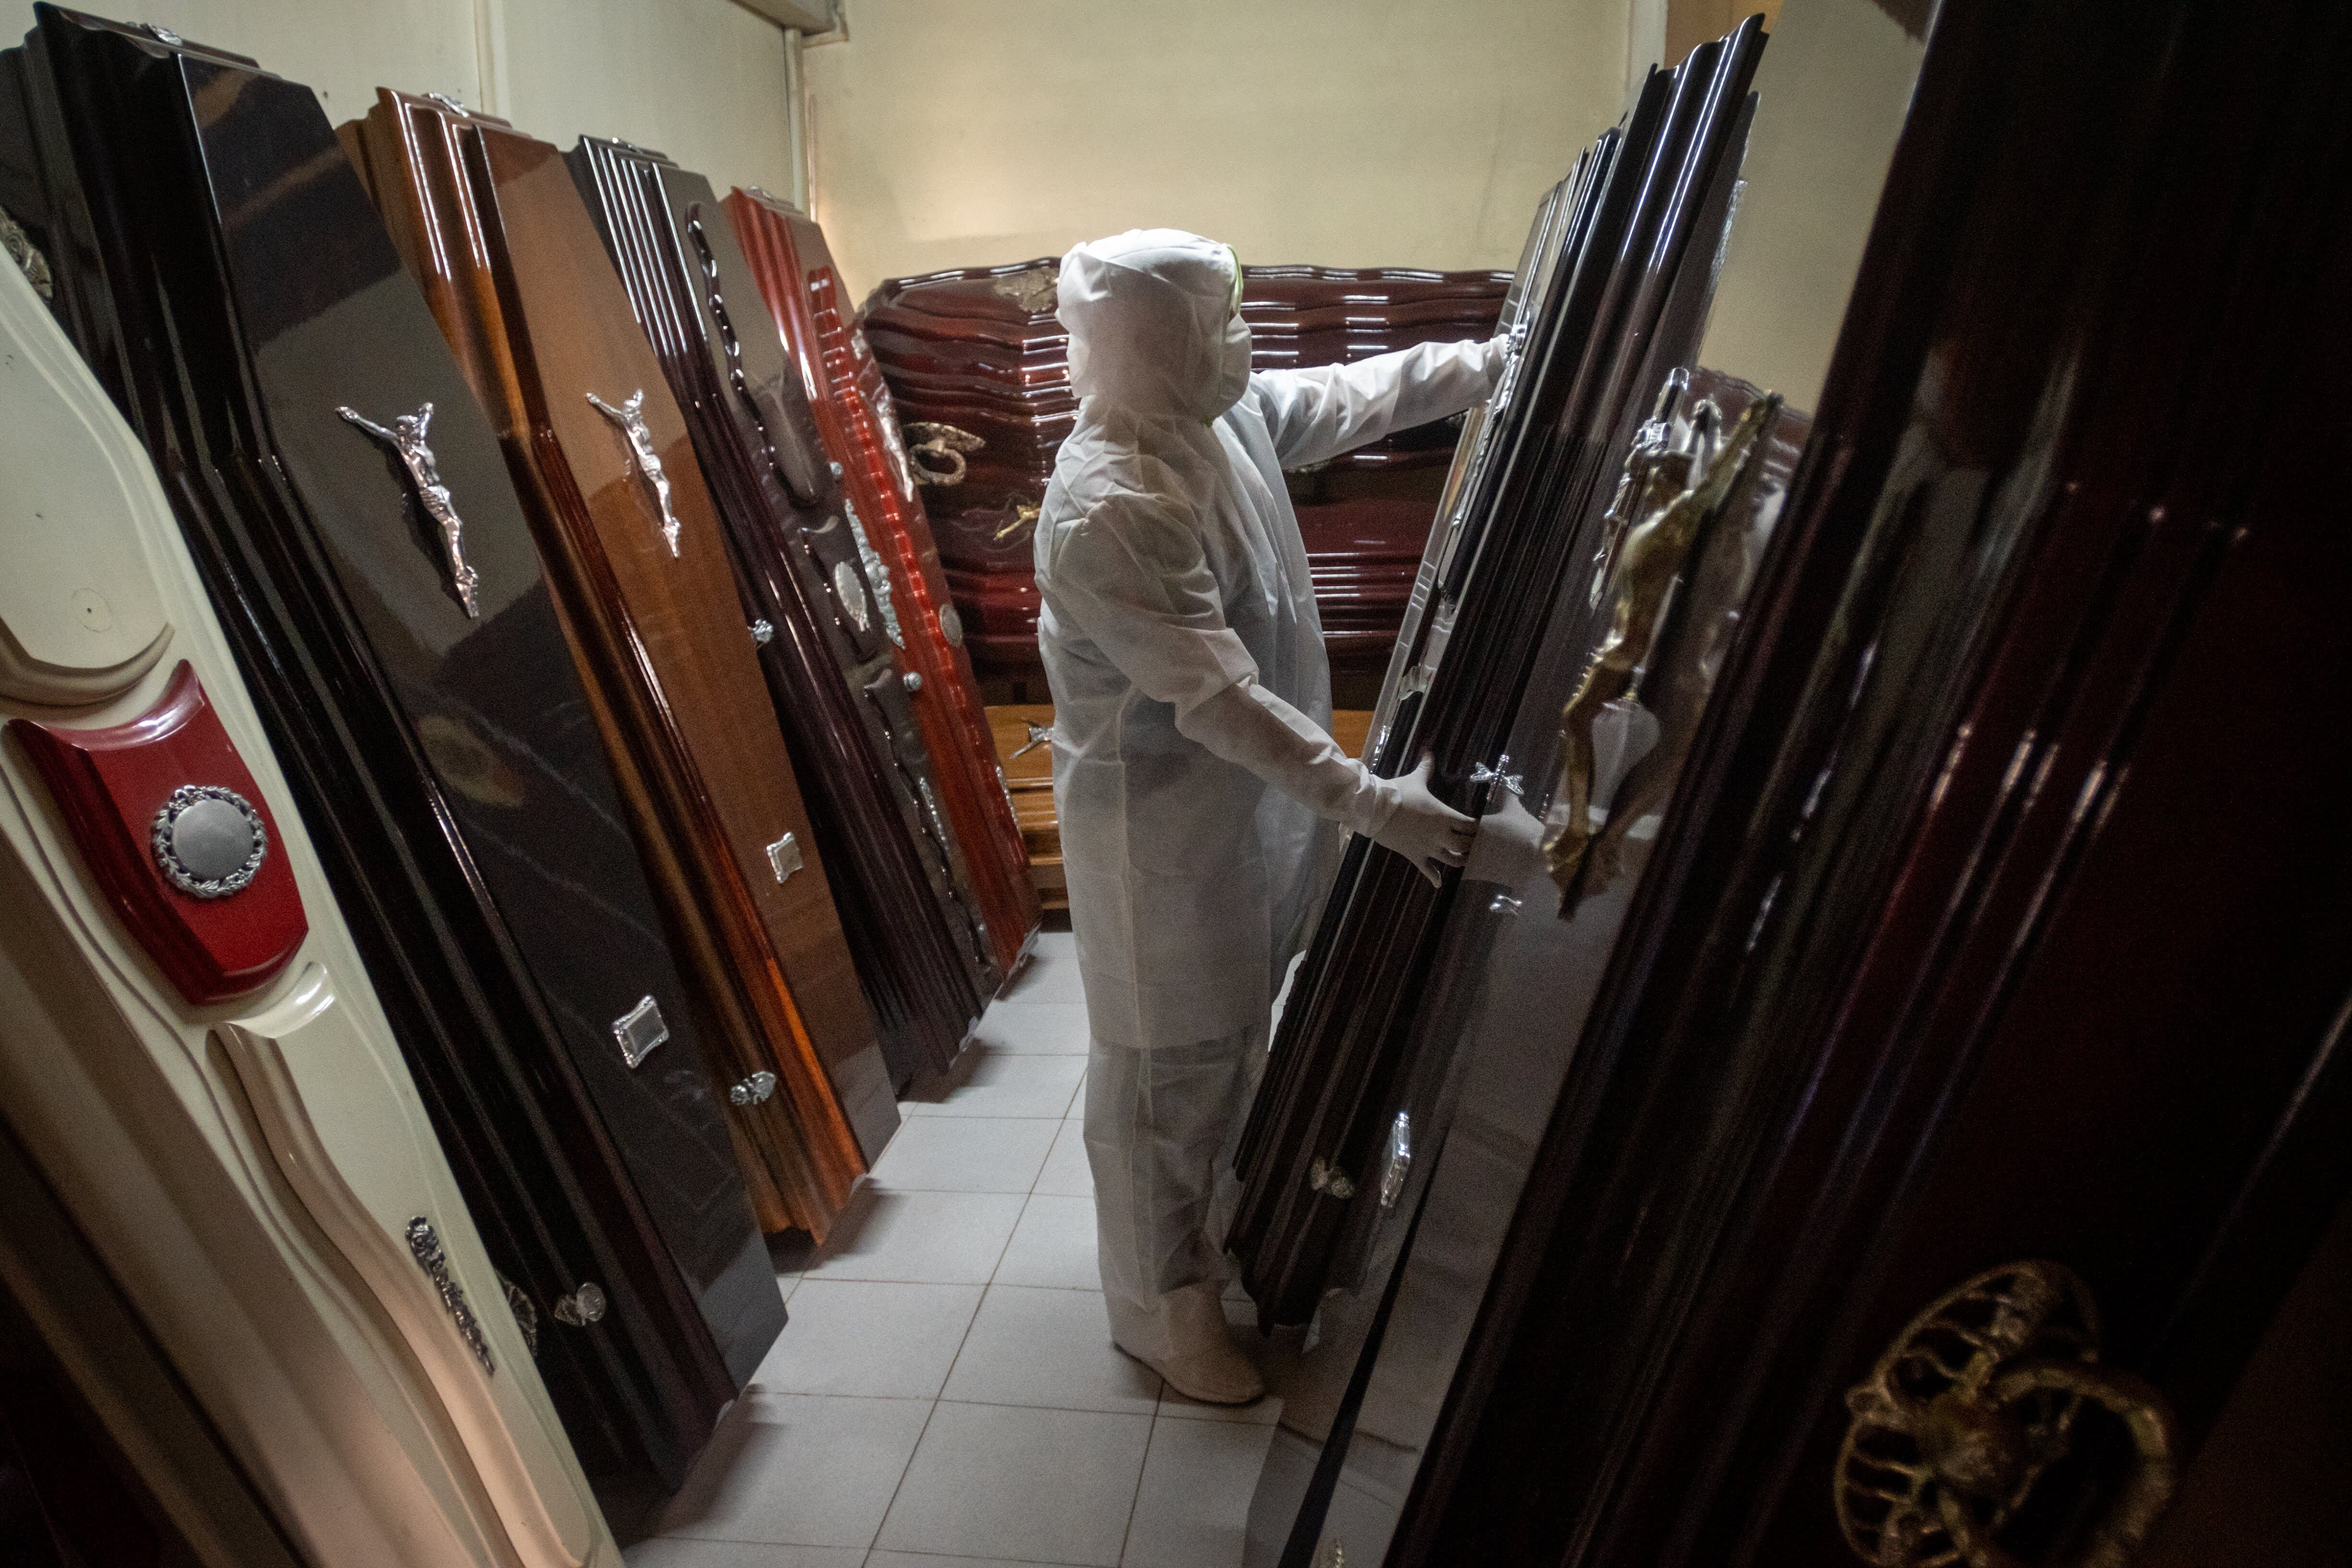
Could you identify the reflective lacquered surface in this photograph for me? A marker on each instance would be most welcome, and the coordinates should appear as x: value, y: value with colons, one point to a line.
x: 859, y: 427
x: 832, y: 658
x: 491, y: 223
x: 127, y: 186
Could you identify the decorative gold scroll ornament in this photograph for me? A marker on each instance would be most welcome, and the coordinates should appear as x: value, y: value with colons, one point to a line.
x: 1968, y: 1410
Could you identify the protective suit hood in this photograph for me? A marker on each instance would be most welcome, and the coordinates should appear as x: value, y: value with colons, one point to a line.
x: 1153, y: 325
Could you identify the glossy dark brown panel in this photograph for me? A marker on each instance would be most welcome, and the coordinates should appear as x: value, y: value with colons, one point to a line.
x: 859, y: 427
x: 978, y: 350
x: 809, y: 573
x: 2002, y: 913
x: 490, y: 223
x: 235, y: 290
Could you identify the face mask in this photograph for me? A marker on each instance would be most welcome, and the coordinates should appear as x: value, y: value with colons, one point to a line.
x: 1233, y: 351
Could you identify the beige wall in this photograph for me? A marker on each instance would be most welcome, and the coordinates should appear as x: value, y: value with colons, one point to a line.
x: 1363, y: 133
x: 702, y: 80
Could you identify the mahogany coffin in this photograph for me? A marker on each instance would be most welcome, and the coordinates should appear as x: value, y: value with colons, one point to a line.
x: 489, y: 222
x: 859, y: 427
x: 1528, y: 510
x: 234, y: 287
x: 810, y: 576
x: 1975, y: 1031
x: 978, y: 367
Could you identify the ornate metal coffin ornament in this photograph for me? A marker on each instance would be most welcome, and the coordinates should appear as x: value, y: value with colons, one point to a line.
x: 1399, y: 1164
x: 1675, y: 494
x: 526, y: 1316
x: 877, y: 571
x: 754, y: 1090
x: 583, y: 1306
x: 943, y: 444
x: 1970, y: 1408
x: 640, y: 1030
x: 209, y: 841
x: 764, y: 632
x: 849, y: 593
x: 425, y: 1245
x: 406, y: 438
x: 733, y: 347
x: 26, y: 255
x: 631, y: 417
x: 952, y: 623
x: 1033, y: 288
x: 1329, y: 1180
x: 1024, y: 517
x: 453, y: 105
x: 1038, y: 735
x: 162, y: 34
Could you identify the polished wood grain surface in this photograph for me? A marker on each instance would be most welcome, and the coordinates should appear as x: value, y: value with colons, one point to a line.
x: 846, y: 393
x: 494, y: 227
x: 831, y: 655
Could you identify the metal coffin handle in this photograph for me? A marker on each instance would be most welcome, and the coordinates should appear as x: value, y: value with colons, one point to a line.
x: 1967, y: 1410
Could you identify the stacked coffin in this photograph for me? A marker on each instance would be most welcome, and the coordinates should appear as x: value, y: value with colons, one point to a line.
x: 1539, y: 529
x: 834, y: 648
x: 518, y: 282
x: 979, y: 367
x: 342, y: 495
x: 860, y: 429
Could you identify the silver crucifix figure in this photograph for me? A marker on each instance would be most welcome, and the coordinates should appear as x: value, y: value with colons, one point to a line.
x: 406, y: 438
x: 631, y: 417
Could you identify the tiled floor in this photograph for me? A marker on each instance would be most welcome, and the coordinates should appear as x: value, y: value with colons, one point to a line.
x: 946, y: 1395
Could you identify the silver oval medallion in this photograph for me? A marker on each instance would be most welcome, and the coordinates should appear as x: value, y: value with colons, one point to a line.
x: 209, y: 841
x: 850, y: 589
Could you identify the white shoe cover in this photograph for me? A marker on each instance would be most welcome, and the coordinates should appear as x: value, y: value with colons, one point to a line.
x: 1197, y: 1353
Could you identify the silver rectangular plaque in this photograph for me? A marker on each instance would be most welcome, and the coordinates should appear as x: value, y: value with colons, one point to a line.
x: 639, y: 1030
x: 784, y: 857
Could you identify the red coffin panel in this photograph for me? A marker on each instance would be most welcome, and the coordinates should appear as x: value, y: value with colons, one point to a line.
x: 112, y: 785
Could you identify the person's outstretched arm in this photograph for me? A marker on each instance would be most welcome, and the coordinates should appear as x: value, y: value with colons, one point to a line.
x: 1132, y: 578
x: 1320, y: 412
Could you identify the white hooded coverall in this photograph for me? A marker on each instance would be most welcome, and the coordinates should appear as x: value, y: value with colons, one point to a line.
x: 1180, y: 640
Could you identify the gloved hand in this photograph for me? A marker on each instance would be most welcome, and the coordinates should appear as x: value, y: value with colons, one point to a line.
x: 1423, y: 829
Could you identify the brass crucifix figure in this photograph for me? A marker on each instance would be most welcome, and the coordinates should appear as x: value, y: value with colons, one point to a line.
x: 406, y: 438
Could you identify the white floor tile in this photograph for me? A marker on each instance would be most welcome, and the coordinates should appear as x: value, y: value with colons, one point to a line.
x: 966, y: 1154
x: 928, y: 1238
x: 1035, y: 1029
x: 674, y: 1552
x: 1077, y: 1100
x: 879, y: 1340
x: 986, y: 1081
x: 930, y: 1560
x: 1066, y: 1175
x: 1053, y: 1245
x: 798, y: 1470
x: 1052, y: 973
x: 1037, y: 1486
x: 1049, y: 1348
x: 1193, y: 1508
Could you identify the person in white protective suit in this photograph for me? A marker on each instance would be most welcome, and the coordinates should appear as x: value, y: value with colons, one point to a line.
x: 1191, y: 749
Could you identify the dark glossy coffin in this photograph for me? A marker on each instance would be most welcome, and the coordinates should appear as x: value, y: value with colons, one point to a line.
x: 975, y: 356
x: 223, y: 271
x: 1530, y: 511
x: 1933, y: 1009
x: 490, y: 221
x: 802, y: 560
x: 860, y: 430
